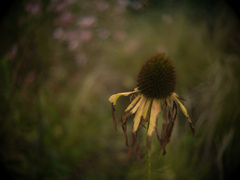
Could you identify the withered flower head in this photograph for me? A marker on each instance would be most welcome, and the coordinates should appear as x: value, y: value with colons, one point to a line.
x: 156, y: 84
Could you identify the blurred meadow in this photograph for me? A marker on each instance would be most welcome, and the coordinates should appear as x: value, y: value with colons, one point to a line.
x: 61, y: 60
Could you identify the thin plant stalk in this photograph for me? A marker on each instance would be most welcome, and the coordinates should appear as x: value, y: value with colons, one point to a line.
x: 148, y: 160
x: 148, y: 153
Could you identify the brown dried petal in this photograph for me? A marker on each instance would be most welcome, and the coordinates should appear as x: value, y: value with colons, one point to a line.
x: 124, y: 125
x: 134, y: 138
x: 113, y: 116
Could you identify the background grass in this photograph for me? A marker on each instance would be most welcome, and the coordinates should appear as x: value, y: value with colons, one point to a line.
x: 61, y: 60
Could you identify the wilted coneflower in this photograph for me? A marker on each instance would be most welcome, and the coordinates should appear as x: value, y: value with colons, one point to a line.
x: 156, y: 83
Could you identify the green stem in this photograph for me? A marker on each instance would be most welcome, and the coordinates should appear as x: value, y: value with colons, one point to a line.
x: 148, y: 159
x: 148, y: 153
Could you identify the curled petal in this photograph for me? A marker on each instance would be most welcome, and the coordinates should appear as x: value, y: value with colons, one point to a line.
x: 113, y: 99
x: 113, y: 116
x: 180, y: 97
x: 174, y: 96
x: 181, y: 106
x: 124, y: 125
x: 133, y: 106
x: 134, y: 139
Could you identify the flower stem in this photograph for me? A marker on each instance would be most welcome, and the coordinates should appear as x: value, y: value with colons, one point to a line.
x: 148, y: 159
x: 148, y: 153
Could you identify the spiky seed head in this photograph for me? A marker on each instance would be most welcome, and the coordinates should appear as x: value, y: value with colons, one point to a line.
x: 157, y: 77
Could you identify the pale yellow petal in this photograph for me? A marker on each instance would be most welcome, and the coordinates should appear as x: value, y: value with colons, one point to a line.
x: 135, y: 108
x: 138, y: 115
x: 113, y: 99
x: 153, y: 117
x: 180, y: 104
x: 133, y: 102
x: 174, y: 96
x: 146, y: 108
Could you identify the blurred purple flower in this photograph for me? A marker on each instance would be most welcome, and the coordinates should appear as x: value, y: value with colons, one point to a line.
x: 103, y: 33
x: 102, y: 5
x: 86, y: 35
x: 62, y: 6
x: 12, y: 52
x: 72, y: 45
x: 33, y: 8
x: 59, y: 33
x: 86, y: 21
x: 65, y: 19
x: 119, y: 36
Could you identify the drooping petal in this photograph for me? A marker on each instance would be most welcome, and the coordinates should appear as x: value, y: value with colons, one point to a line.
x: 141, y: 106
x: 132, y: 97
x: 146, y: 108
x: 181, y: 106
x: 157, y: 133
x: 153, y: 117
x: 113, y: 116
x: 113, y: 99
x: 168, y: 124
x: 146, y: 112
x: 168, y: 109
x: 135, y: 108
x: 139, y: 113
x: 176, y: 110
x: 124, y: 125
x: 174, y: 96
x: 134, y: 139
x: 180, y: 97
x: 163, y: 139
x: 133, y: 103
